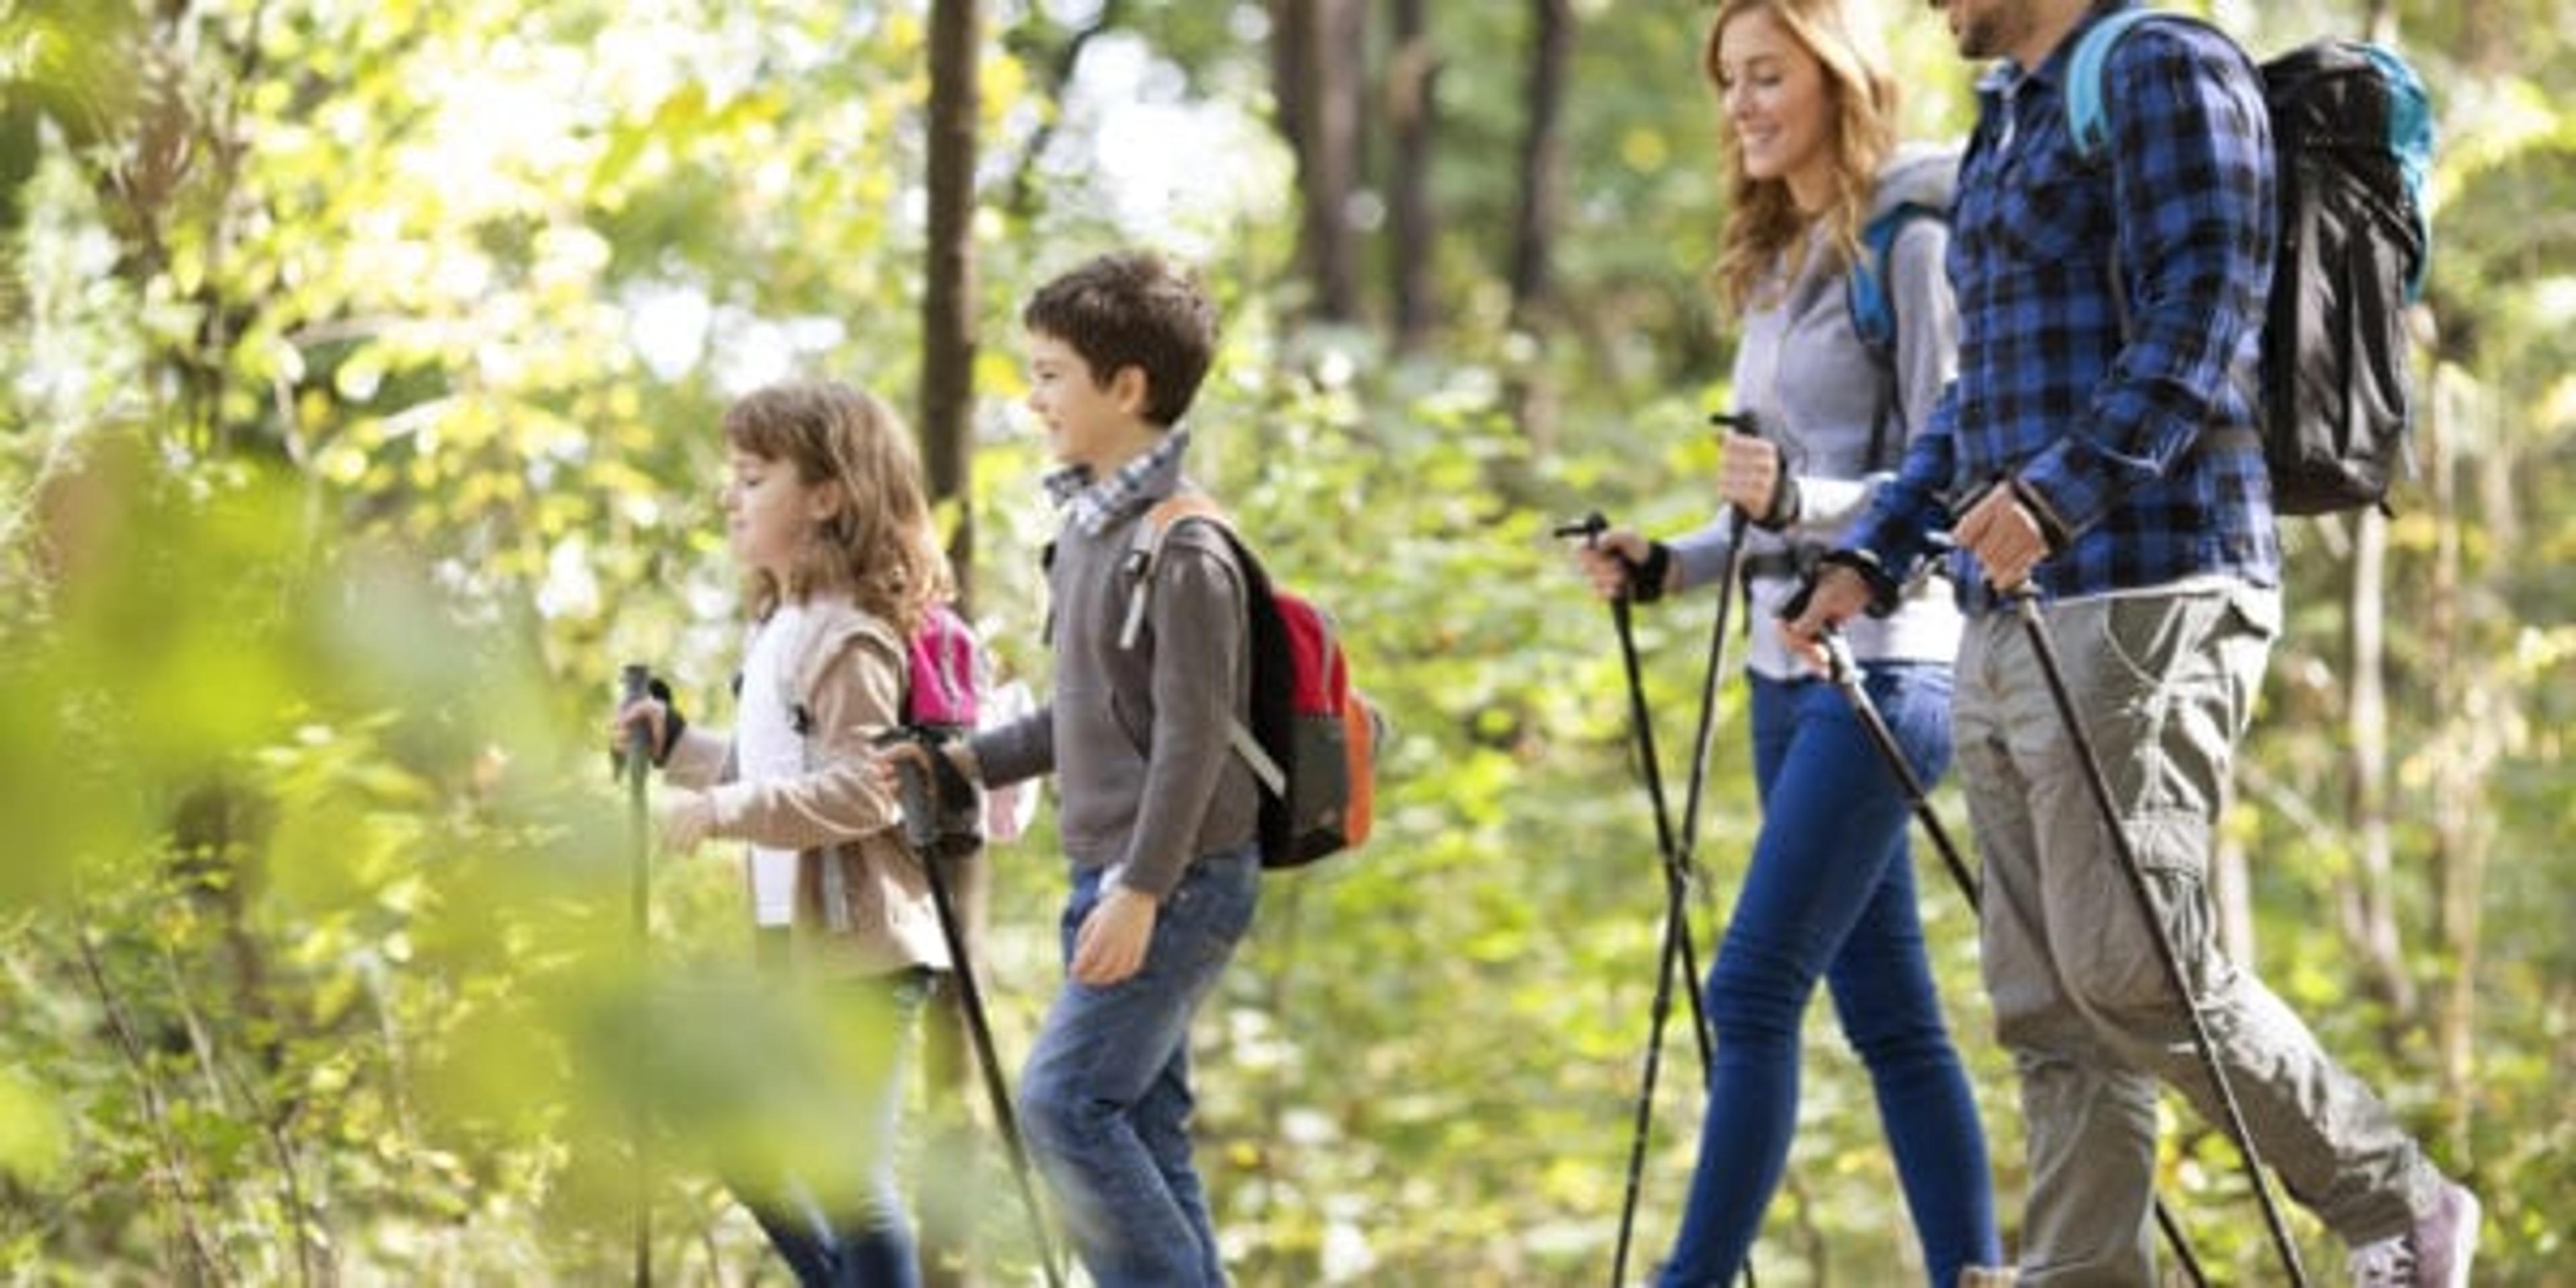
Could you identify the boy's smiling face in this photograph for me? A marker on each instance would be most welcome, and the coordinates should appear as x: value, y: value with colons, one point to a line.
x: 1089, y: 421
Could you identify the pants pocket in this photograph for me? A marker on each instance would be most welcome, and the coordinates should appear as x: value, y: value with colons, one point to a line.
x: 2116, y: 963
x: 1211, y: 909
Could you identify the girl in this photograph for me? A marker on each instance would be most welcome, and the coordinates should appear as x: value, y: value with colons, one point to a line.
x: 1810, y: 159
x: 824, y: 512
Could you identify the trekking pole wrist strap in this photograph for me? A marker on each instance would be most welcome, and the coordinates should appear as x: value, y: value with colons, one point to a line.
x: 1646, y: 577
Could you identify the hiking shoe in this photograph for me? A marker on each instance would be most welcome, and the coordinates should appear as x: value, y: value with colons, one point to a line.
x: 2435, y: 1254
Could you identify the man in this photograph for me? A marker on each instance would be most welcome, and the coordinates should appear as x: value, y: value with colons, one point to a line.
x: 2099, y: 443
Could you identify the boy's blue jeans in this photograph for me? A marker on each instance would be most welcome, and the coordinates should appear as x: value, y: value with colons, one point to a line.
x: 1106, y: 1099
x: 1830, y: 894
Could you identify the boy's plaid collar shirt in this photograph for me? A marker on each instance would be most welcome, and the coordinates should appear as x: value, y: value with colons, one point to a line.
x: 2108, y: 435
x: 1092, y: 504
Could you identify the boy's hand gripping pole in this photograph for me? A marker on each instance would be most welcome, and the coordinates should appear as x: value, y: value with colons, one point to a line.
x: 633, y: 681
x: 921, y: 799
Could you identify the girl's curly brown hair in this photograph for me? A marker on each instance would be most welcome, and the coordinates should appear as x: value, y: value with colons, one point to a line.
x: 879, y: 545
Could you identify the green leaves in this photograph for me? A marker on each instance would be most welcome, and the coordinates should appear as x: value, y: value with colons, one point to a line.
x: 342, y: 462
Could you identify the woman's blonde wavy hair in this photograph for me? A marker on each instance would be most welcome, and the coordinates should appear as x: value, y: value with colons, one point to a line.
x: 1763, y: 224
x: 879, y: 547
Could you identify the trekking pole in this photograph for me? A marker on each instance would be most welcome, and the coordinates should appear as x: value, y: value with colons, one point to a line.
x: 921, y: 828
x: 633, y: 680
x: 1730, y: 583
x: 1677, y: 936
x: 1726, y: 590
x: 1845, y: 674
x: 2026, y: 602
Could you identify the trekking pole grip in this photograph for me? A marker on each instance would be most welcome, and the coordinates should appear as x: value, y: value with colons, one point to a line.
x: 634, y: 682
x: 1589, y: 528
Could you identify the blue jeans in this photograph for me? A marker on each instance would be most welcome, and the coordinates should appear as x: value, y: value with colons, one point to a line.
x: 1831, y: 893
x: 855, y: 1234
x: 1106, y: 1100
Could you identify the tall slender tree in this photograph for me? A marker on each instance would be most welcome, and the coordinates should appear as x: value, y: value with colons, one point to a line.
x: 1540, y: 201
x: 1318, y: 48
x: 948, y: 344
x: 948, y: 338
x: 1412, y: 69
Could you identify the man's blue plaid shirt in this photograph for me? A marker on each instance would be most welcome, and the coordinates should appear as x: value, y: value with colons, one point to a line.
x: 2123, y: 423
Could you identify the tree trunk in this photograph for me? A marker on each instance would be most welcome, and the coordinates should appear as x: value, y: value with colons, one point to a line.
x: 948, y: 297
x: 1542, y: 160
x: 1411, y: 70
x: 2379, y: 22
x: 2370, y: 902
x: 947, y: 429
x: 2469, y: 741
x: 1533, y: 394
x: 1317, y: 49
x: 2488, y: 36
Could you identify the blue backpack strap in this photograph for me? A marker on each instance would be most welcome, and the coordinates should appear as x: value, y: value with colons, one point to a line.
x: 1873, y: 314
x: 2086, y: 122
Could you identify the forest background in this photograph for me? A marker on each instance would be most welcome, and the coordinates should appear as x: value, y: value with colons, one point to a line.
x: 358, y: 388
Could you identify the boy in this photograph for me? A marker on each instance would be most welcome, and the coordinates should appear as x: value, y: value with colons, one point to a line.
x: 1159, y: 818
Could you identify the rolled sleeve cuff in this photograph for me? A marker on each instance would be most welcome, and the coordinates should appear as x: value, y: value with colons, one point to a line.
x: 2062, y: 494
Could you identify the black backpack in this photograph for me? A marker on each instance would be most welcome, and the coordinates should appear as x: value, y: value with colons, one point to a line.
x: 2352, y: 139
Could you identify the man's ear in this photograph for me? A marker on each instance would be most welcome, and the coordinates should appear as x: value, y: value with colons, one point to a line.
x: 1131, y: 389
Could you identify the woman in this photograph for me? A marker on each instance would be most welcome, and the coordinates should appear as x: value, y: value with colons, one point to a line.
x: 1811, y: 161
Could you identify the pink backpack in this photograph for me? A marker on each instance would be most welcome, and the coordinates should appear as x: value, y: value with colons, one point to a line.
x: 941, y: 674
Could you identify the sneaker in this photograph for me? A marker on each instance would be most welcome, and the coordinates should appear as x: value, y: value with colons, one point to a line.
x: 2435, y: 1254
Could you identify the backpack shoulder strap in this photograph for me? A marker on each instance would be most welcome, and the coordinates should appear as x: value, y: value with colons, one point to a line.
x: 1145, y: 549
x: 2086, y: 120
x: 1144, y: 556
x: 1873, y: 308
x: 827, y: 631
x: 1865, y: 286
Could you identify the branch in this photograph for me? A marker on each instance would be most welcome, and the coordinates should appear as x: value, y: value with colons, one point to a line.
x: 172, y: 1176
x: 1059, y: 75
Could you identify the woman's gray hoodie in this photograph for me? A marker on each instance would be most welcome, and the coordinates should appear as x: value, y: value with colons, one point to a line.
x: 1815, y: 388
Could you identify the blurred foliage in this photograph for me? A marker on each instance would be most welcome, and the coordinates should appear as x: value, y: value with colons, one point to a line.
x: 357, y: 404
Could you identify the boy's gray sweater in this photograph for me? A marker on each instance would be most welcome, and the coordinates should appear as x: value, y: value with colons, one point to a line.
x: 1804, y: 372
x: 1146, y: 779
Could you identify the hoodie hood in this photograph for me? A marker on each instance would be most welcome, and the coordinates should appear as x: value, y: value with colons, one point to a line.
x: 1921, y: 174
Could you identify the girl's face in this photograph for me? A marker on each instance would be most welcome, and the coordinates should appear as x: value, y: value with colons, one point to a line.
x: 770, y: 513
x: 1776, y: 100
x: 1087, y: 422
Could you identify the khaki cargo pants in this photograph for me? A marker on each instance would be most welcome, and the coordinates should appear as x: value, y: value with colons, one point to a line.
x: 2164, y: 683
